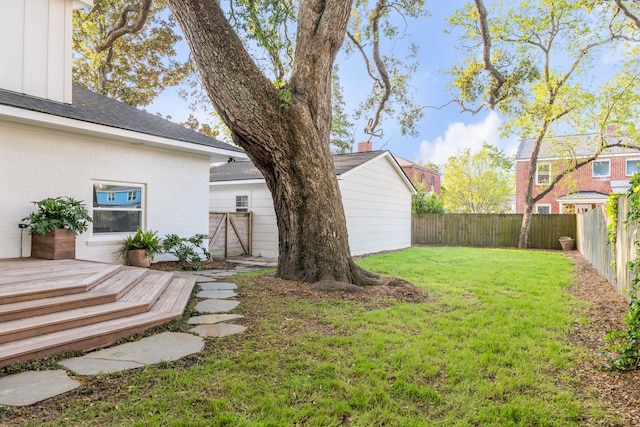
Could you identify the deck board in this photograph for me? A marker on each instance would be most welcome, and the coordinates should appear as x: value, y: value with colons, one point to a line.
x: 49, y: 307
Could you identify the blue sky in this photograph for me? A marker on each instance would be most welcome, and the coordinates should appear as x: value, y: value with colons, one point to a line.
x: 441, y: 133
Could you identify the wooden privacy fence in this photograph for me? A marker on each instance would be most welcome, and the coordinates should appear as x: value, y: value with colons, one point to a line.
x: 593, y: 244
x: 230, y: 234
x: 490, y: 230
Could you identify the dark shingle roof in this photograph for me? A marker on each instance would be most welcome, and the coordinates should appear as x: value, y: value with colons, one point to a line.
x: 241, y: 170
x: 91, y: 107
x: 572, y: 146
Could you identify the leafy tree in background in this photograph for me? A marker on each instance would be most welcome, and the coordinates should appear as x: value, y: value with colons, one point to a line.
x: 423, y: 203
x: 478, y: 183
x: 132, y: 62
x: 535, y: 65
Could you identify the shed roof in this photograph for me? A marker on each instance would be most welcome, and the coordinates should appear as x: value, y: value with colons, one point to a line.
x: 245, y: 170
x: 571, y: 146
x: 93, y: 108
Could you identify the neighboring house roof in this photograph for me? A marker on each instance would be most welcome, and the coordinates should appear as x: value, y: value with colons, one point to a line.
x: 91, y: 107
x: 583, y: 197
x: 407, y: 163
x: 343, y: 163
x: 573, y: 146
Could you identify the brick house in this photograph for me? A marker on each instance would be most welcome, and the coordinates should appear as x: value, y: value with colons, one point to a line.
x: 583, y: 189
x: 416, y: 173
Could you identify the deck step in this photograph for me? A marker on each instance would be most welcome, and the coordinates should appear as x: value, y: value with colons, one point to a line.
x: 92, y: 306
x: 175, y: 297
x: 54, y: 272
x: 54, y: 322
x: 25, y: 309
x: 52, y: 287
x: 147, y: 290
x: 84, y: 338
x: 121, y: 282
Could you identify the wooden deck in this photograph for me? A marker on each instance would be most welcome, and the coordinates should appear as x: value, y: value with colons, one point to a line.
x: 50, y: 307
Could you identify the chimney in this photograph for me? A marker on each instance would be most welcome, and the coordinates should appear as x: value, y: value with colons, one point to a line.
x: 364, y: 146
x: 37, y: 60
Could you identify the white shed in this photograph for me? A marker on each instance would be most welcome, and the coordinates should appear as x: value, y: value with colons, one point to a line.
x: 57, y: 139
x: 376, y: 195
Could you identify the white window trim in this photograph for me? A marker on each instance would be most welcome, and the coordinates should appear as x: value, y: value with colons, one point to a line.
x: 548, y: 205
x: 143, y: 203
x: 634, y: 159
x: 537, y: 178
x: 593, y: 171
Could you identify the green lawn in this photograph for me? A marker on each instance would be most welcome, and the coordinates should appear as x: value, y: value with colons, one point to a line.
x: 488, y: 349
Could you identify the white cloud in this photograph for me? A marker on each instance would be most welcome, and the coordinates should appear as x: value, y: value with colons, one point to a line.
x: 460, y: 136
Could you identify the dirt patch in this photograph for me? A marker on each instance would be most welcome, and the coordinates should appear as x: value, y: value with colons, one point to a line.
x: 616, y: 392
x: 212, y: 264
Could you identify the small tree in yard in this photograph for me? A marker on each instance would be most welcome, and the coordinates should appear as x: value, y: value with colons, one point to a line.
x: 424, y: 202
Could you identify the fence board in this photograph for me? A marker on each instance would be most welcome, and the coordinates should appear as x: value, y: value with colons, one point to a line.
x: 490, y: 230
x: 611, y: 262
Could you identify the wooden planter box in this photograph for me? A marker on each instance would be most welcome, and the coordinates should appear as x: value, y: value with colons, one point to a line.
x: 58, y: 244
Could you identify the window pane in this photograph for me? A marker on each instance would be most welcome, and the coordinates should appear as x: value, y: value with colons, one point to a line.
x: 601, y: 168
x: 543, y: 209
x: 544, y: 173
x: 117, y: 196
x: 116, y: 221
x: 242, y: 203
x: 633, y: 166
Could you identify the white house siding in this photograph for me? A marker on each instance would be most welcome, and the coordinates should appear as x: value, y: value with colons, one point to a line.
x: 376, y: 200
x: 264, y: 228
x: 45, y: 33
x: 377, y: 205
x: 36, y: 163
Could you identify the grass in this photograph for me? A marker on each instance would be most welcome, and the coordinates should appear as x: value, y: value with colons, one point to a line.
x: 488, y: 349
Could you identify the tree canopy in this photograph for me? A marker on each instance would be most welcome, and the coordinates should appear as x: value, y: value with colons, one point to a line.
x: 536, y: 66
x: 126, y: 50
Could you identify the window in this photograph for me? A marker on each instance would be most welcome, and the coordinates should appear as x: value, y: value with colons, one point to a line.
x: 543, y: 174
x: 242, y: 203
x: 422, y: 177
x: 633, y: 166
x: 117, y: 207
x: 601, y: 168
x: 543, y: 209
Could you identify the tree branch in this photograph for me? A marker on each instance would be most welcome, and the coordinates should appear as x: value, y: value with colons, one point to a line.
x: 497, y: 79
x: 122, y: 28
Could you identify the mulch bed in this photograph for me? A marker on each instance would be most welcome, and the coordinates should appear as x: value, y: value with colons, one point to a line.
x: 616, y: 392
x: 212, y: 264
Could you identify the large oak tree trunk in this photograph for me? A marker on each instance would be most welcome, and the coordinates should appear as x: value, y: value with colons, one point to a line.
x: 284, y: 131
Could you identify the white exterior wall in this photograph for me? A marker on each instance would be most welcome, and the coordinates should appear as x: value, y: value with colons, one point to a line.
x: 38, y: 162
x: 264, y: 228
x: 35, y: 47
x: 377, y: 206
x: 376, y: 200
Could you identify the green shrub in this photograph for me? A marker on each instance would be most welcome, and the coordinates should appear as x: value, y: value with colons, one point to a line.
x: 191, y: 249
x: 147, y: 240
x: 422, y: 203
x: 59, y: 212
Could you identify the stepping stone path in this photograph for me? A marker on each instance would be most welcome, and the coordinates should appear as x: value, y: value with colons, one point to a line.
x: 30, y: 387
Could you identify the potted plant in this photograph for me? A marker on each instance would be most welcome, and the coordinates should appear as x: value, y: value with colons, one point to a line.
x: 138, y: 250
x: 54, y: 226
